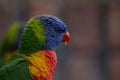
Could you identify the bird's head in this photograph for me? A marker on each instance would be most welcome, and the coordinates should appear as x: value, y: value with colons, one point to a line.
x: 43, y: 32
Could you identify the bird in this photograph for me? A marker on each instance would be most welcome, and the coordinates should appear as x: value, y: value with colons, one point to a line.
x: 35, y: 58
x: 10, y: 41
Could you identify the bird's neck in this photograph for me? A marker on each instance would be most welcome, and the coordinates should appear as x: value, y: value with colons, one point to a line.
x: 33, y: 37
x: 42, y: 64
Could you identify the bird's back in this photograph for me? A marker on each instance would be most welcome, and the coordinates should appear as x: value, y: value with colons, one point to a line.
x: 15, y: 70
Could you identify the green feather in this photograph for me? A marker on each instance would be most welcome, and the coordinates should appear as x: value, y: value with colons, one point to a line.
x: 9, y: 40
x: 33, y: 37
x: 16, y: 70
x: 32, y: 40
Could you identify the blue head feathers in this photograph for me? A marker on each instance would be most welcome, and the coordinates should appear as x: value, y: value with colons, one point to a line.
x: 54, y: 30
x: 43, y: 32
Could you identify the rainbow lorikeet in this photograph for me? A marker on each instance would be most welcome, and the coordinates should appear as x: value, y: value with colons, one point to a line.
x: 10, y: 41
x: 36, y: 58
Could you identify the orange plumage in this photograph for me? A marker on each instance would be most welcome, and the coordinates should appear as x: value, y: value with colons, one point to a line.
x: 42, y: 64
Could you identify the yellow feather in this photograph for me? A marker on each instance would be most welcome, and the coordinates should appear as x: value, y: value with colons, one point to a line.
x: 39, y: 63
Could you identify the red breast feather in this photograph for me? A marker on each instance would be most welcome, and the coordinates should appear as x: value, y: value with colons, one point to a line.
x: 42, y: 64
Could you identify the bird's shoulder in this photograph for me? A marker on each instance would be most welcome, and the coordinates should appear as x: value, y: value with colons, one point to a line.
x: 16, y: 69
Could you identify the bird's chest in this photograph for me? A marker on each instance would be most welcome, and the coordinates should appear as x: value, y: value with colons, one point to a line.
x: 42, y: 65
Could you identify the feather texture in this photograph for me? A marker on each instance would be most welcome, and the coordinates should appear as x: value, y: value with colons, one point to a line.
x: 35, y: 58
x: 42, y: 64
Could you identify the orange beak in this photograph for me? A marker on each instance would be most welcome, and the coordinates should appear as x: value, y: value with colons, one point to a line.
x: 66, y: 38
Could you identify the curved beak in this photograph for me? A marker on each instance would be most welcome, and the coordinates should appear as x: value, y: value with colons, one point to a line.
x: 66, y: 38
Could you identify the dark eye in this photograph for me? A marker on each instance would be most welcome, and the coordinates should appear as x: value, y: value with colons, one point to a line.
x: 58, y: 30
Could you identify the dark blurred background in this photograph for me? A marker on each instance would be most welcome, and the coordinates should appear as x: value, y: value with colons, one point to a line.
x: 94, y: 25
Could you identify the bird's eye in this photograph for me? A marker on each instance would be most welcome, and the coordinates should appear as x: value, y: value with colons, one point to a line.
x: 58, y: 30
